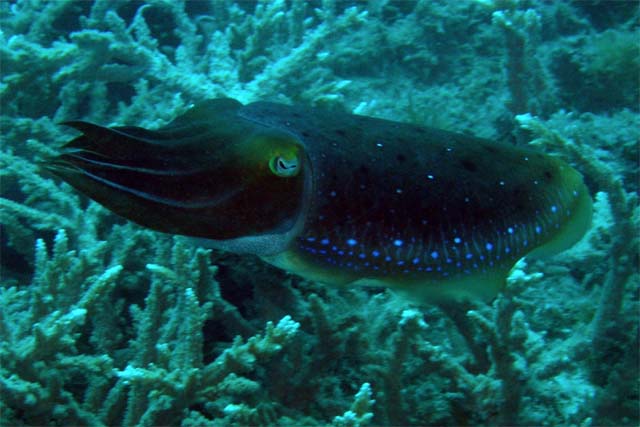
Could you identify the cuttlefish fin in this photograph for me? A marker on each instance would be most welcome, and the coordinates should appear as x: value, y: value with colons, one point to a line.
x: 483, y: 286
x: 206, y: 111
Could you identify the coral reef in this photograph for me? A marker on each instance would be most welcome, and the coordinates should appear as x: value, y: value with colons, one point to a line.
x: 105, y: 323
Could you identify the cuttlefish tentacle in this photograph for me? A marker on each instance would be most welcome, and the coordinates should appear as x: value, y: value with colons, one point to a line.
x: 338, y: 198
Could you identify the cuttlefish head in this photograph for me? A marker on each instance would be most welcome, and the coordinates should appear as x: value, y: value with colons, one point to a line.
x: 208, y: 174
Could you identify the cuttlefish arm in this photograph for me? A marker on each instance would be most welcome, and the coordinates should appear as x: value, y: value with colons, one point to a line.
x: 207, y: 174
x: 338, y: 198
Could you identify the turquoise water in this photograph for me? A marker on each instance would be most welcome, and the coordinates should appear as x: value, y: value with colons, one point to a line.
x: 104, y: 322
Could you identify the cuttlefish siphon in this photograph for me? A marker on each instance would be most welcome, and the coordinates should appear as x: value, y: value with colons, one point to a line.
x: 337, y: 198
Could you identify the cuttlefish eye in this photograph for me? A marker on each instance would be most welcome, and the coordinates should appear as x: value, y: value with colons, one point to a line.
x: 284, y: 166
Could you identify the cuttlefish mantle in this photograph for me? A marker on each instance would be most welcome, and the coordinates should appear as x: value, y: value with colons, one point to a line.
x: 338, y: 198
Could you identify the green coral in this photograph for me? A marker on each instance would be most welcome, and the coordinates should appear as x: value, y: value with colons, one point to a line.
x: 612, y: 54
x: 51, y: 320
x: 610, y: 62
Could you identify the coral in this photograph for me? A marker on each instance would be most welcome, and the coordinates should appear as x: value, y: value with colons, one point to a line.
x: 621, y: 275
x: 68, y: 304
x: 522, y: 32
x: 360, y: 412
x: 612, y: 53
x: 609, y: 61
x: 41, y: 326
x: 597, y: 70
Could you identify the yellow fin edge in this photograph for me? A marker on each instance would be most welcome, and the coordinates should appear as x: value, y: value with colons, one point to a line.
x: 481, y: 285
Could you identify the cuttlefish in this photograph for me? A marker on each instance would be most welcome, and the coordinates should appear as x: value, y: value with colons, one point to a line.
x: 334, y: 197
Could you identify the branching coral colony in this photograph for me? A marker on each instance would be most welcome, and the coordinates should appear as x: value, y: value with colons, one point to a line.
x: 120, y: 325
x: 60, y: 359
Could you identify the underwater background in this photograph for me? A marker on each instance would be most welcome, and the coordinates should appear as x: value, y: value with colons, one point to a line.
x: 103, y: 322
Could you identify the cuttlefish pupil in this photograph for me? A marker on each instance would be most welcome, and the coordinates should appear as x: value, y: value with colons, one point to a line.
x: 284, y: 167
x: 338, y: 198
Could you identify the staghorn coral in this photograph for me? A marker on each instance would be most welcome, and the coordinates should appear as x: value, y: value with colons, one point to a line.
x: 621, y: 275
x: 41, y: 326
x: 68, y: 309
x: 360, y: 412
